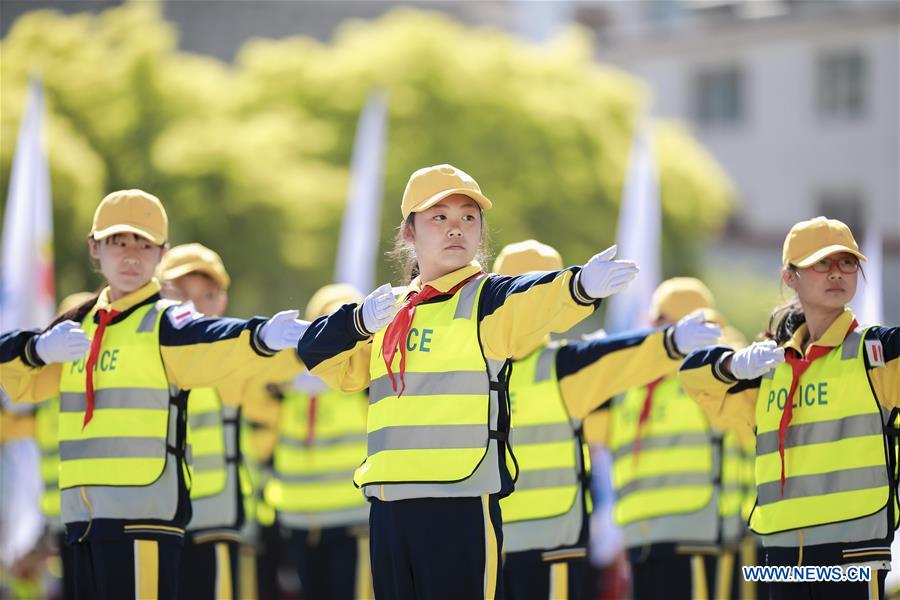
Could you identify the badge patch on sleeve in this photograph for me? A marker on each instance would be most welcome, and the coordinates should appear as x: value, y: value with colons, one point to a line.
x: 875, y: 353
x: 181, y: 315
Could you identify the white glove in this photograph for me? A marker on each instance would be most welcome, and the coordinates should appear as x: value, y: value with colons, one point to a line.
x: 693, y: 332
x: 379, y: 308
x: 756, y: 359
x: 602, y: 276
x: 65, y: 342
x: 283, y: 330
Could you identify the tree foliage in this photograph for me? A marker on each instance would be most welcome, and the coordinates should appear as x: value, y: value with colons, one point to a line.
x: 252, y: 158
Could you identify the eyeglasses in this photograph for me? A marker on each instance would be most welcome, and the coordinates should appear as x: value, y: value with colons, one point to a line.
x: 844, y: 265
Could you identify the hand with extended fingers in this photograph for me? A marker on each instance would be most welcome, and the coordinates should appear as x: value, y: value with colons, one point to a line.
x: 283, y: 330
x: 64, y: 342
x: 756, y: 359
x: 602, y: 276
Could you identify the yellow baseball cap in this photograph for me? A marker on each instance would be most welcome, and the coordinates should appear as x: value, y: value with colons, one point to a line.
x: 331, y: 297
x: 426, y: 187
x: 808, y: 242
x: 193, y: 258
x: 679, y: 297
x: 131, y: 211
x: 525, y: 257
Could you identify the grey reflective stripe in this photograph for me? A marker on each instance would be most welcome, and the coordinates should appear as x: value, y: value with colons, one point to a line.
x: 124, y: 447
x: 664, y: 481
x: 803, y: 486
x: 804, y: 434
x: 159, y: 500
x: 546, y: 364
x: 850, y: 346
x: 118, y: 398
x: 427, y: 436
x: 149, y: 320
x: 539, y: 434
x: 770, y: 374
x: 317, y: 477
x: 205, y: 419
x: 466, y: 301
x: 296, y: 442
x: 664, y: 441
x: 208, y: 462
x: 430, y: 384
x: 543, y: 478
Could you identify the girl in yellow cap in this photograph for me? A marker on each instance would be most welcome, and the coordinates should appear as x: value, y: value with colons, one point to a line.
x: 436, y: 361
x: 822, y: 394
x: 554, y: 392
x: 118, y: 363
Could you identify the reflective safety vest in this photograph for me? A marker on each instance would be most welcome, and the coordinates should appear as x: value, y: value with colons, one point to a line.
x: 548, y: 450
x: 215, y: 459
x: 314, y: 465
x: 836, y: 451
x: 46, y: 424
x: 674, y: 472
x: 439, y: 431
x: 206, y: 438
x: 125, y: 463
x: 732, y: 489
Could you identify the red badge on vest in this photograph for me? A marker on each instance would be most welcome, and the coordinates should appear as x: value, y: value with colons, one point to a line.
x: 875, y: 353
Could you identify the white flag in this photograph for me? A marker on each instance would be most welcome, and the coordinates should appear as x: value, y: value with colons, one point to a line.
x: 867, y: 302
x: 27, y: 299
x: 638, y: 235
x: 27, y: 296
x: 358, y: 249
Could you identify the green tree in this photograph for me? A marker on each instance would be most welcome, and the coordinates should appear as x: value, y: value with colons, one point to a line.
x: 251, y: 159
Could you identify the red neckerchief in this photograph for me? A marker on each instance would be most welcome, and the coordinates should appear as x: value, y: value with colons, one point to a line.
x: 311, y: 420
x: 398, y: 329
x: 105, y: 317
x: 645, y: 414
x: 799, y: 365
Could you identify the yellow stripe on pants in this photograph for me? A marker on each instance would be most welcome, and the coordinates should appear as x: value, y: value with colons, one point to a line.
x: 363, y: 569
x: 223, y: 573
x: 248, y: 572
x: 698, y: 577
x: 559, y: 581
x: 723, y: 576
x: 490, y: 551
x: 146, y: 569
x: 748, y: 558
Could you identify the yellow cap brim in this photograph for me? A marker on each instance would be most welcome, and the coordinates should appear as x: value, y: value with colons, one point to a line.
x: 196, y: 266
x: 480, y: 199
x: 122, y: 228
x: 818, y: 255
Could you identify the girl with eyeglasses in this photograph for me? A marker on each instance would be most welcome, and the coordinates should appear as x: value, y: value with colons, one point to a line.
x: 822, y: 393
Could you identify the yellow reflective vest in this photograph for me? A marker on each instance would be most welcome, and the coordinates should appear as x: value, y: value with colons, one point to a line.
x: 46, y: 424
x: 320, y: 444
x: 547, y: 446
x: 836, y: 451
x: 440, y: 429
x: 206, y: 438
x: 125, y: 444
x: 673, y: 473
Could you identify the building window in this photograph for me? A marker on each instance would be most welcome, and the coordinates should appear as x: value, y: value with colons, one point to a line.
x: 842, y: 84
x: 844, y: 204
x: 719, y: 95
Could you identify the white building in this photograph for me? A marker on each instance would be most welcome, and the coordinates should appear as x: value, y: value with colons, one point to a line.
x: 798, y: 100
